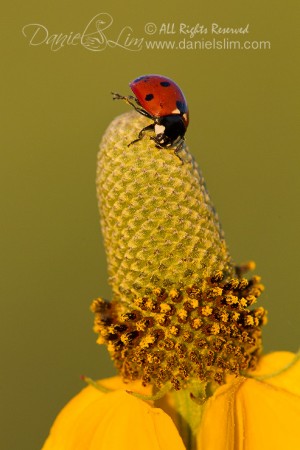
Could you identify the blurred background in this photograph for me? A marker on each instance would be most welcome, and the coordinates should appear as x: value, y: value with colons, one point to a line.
x: 56, y: 106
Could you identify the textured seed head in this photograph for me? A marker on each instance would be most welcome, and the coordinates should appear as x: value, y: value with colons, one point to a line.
x: 158, y: 222
x: 180, y: 309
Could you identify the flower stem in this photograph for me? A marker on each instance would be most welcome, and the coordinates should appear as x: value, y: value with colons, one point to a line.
x: 189, y: 404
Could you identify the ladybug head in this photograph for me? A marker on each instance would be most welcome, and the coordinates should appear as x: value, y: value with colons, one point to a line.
x: 169, y: 130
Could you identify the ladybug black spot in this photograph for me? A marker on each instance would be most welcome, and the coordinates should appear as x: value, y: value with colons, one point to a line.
x: 149, y: 97
x: 180, y: 106
x: 165, y: 83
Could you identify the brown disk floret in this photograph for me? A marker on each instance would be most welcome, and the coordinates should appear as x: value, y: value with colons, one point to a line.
x: 179, y: 334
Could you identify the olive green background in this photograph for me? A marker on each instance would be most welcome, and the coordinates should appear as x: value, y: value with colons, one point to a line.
x: 243, y: 110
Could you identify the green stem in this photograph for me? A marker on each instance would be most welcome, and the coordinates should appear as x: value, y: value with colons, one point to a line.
x: 189, y: 404
x: 96, y: 385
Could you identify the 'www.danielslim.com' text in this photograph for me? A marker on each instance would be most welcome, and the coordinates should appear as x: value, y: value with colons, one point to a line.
x: 204, y: 44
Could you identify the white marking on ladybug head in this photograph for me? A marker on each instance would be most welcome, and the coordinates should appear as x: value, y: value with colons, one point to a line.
x: 176, y: 111
x: 184, y: 116
x: 159, y: 129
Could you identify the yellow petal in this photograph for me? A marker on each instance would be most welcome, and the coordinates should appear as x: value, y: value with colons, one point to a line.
x: 217, y: 429
x: 255, y: 415
x: 286, y: 379
x: 112, y: 421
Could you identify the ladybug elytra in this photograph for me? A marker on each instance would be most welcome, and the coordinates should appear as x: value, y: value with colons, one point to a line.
x: 159, y: 98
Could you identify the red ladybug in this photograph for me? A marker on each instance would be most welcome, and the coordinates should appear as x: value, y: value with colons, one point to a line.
x: 159, y: 98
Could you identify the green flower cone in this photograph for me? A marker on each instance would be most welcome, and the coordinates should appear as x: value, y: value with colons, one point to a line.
x: 181, y: 310
x: 158, y: 222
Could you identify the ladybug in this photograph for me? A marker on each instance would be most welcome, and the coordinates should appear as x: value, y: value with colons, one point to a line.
x: 159, y: 98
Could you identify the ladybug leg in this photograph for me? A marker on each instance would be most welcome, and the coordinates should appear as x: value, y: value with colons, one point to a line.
x: 142, y: 132
x: 158, y: 145
x: 178, y: 149
x: 130, y: 99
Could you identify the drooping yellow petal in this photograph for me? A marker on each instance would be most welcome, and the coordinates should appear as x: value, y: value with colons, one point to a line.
x: 112, y: 421
x: 276, y: 362
x: 255, y: 415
